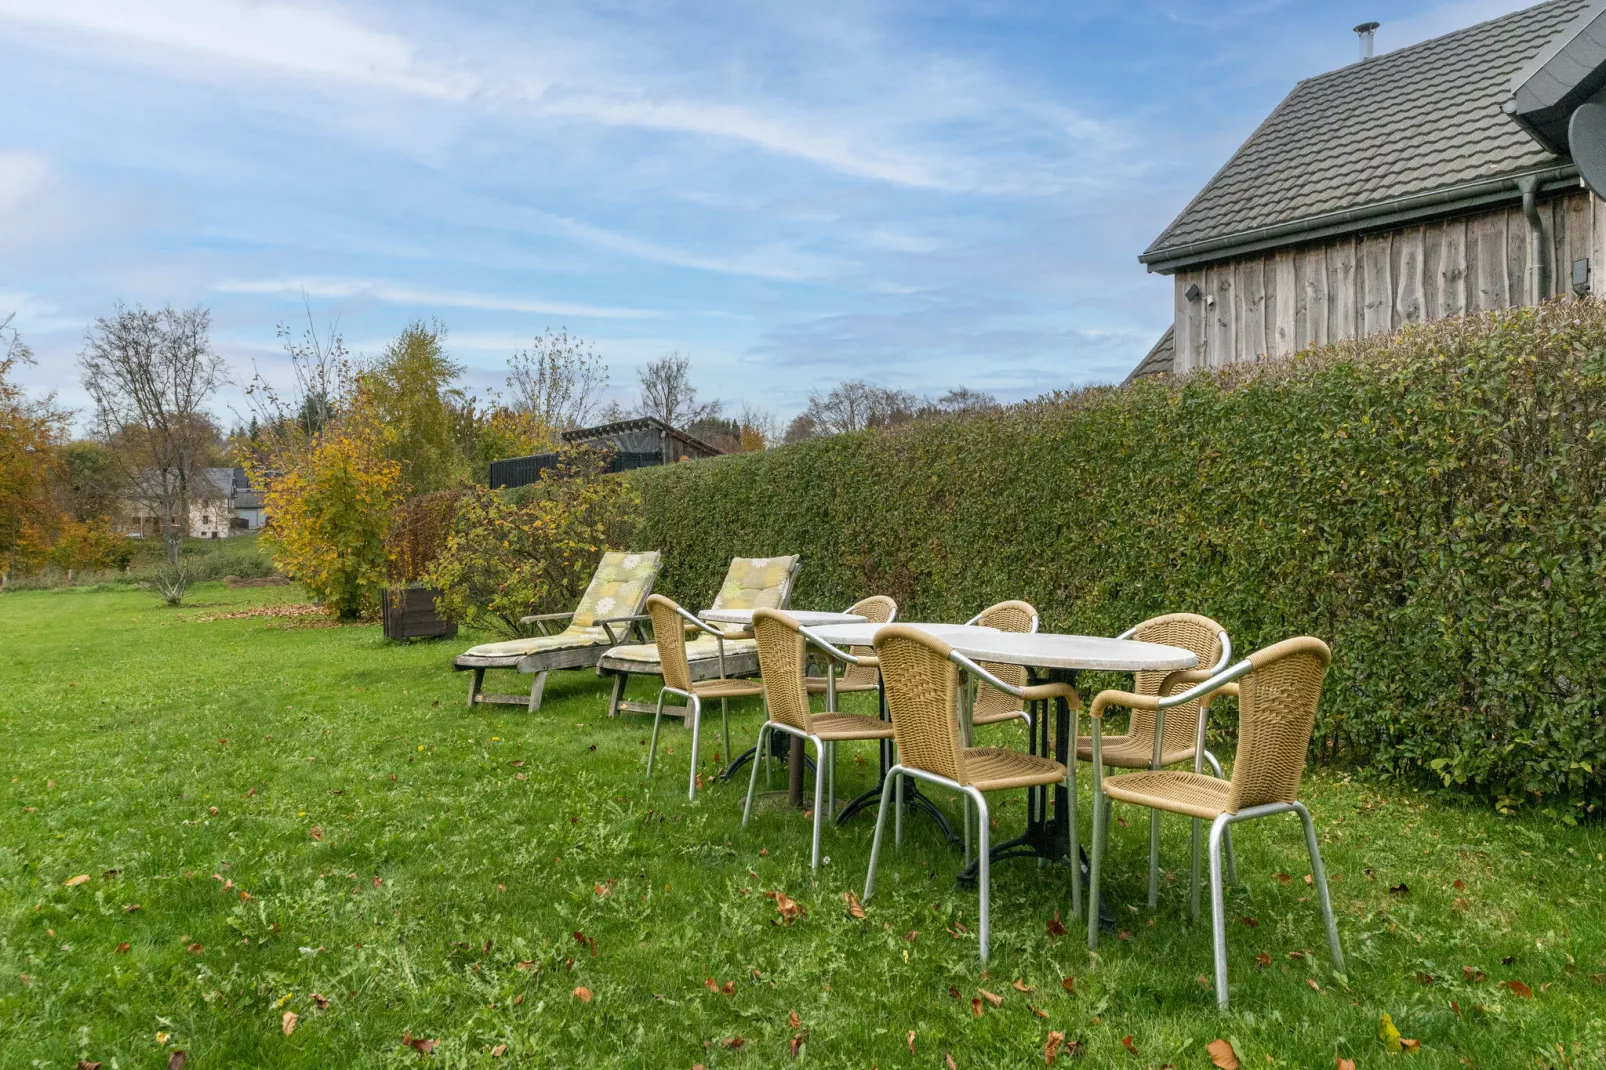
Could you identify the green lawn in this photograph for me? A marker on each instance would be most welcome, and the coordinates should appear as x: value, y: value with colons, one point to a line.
x: 308, y: 814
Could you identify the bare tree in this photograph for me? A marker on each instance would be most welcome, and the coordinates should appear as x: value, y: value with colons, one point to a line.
x: 559, y: 379
x: 963, y: 399
x: 150, y: 375
x: 802, y: 428
x: 667, y: 393
x: 856, y: 405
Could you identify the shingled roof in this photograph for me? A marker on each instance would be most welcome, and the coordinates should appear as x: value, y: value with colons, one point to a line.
x: 1418, y: 124
x: 1159, y: 360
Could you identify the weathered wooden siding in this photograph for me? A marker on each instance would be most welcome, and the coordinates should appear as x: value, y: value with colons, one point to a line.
x: 1279, y: 303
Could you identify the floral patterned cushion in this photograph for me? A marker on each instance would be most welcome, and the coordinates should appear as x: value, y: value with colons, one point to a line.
x: 617, y: 589
x: 706, y: 648
x: 755, y: 583
x: 517, y: 648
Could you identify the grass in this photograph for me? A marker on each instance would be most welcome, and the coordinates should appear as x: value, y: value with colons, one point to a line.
x: 302, y: 810
x: 206, y: 559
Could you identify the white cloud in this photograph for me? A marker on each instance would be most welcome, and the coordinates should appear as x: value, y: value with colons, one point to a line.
x: 401, y: 293
x: 22, y: 174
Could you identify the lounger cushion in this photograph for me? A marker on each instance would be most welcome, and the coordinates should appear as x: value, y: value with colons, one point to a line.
x: 706, y: 648
x: 517, y: 648
x: 754, y: 583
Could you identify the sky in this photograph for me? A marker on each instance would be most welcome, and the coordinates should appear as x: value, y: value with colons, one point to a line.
x: 923, y: 194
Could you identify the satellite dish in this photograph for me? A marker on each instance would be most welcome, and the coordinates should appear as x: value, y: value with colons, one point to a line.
x: 1586, y: 134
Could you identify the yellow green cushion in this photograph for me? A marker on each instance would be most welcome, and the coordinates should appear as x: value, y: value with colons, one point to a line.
x: 517, y: 648
x: 618, y: 589
x: 697, y: 650
x: 754, y: 583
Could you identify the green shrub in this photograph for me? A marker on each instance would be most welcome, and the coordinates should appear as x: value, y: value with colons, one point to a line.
x: 1429, y: 502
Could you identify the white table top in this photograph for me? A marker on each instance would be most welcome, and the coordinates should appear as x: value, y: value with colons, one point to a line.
x: 863, y: 634
x: 1048, y: 650
x: 806, y: 617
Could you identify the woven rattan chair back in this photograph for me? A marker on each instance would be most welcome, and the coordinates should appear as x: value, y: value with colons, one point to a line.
x: 1276, y: 713
x: 877, y: 609
x: 668, y: 629
x: 782, y: 657
x: 1012, y: 616
x: 1191, y: 632
x: 922, y: 688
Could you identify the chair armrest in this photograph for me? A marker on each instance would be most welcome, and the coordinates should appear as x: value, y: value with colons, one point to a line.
x: 540, y: 620
x: 1045, y: 692
x: 1121, y: 698
x: 635, y: 619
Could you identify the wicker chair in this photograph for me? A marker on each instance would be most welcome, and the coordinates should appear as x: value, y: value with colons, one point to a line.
x: 991, y: 704
x: 782, y: 655
x: 670, y: 634
x: 1277, y: 699
x: 877, y: 609
x: 1181, y: 728
x: 921, y: 675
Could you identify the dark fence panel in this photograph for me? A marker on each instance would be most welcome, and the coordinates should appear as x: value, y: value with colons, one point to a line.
x: 522, y: 471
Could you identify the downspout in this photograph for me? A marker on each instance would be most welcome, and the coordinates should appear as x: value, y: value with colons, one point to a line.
x: 1529, y: 185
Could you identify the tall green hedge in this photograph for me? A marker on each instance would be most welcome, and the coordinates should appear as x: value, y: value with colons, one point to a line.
x: 1429, y: 502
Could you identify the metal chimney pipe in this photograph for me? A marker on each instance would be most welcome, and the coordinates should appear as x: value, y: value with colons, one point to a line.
x: 1366, y: 30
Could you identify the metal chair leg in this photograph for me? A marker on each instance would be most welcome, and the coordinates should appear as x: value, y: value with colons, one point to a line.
x: 983, y: 877
x: 1320, y: 880
x: 1154, y: 859
x: 965, y: 817
x: 1099, y: 814
x: 830, y: 779
x: 725, y: 723
x: 1218, y: 910
x: 752, y: 781
x: 880, y: 826
x: 895, y: 784
x: 1076, y: 834
x: 696, y: 714
x: 657, y: 719
x: 820, y: 778
x: 1193, y: 878
x: 1232, y: 858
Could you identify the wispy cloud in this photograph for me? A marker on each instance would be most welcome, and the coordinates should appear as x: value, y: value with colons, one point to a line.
x: 400, y: 293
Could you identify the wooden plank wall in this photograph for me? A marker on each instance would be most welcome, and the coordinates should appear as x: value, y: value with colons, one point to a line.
x: 1280, y: 303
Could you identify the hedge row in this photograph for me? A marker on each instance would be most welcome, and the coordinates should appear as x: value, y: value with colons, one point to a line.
x: 1429, y: 502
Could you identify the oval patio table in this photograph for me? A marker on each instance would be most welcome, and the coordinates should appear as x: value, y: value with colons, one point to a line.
x: 795, y: 755
x: 1057, y: 659
x: 850, y: 635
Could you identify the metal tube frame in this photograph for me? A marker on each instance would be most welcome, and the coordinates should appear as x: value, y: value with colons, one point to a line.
x: 972, y: 796
x: 822, y: 775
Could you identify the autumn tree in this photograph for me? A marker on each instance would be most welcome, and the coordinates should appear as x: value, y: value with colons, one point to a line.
x: 150, y: 376
x: 416, y: 403
x: 30, y: 431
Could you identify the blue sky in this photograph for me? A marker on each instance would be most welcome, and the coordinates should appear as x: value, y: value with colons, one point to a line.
x: 924, y: 194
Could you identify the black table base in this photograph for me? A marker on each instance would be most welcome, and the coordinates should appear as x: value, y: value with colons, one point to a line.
x: 1045, y: 837
x: 780, y: 747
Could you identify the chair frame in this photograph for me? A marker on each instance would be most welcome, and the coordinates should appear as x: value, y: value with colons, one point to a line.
x: 1200, y: 756
x: 1024, y: 715
x: 694, y: 708
x: 741, y: 664
x: 1218, y: 681
x: 544, y: 661
x: 973, y: 796
x: 824, y: 750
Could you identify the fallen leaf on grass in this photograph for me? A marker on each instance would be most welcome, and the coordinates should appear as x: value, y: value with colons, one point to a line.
x: 1424, y: 978
x: 1518, y: 989
x: 912, y: 935
x: 855, y: 908
x: 1020, y: 986
x: 793, y: 1020
x: 316, y: 832
x: 196, y: 949
x: 1387, y: 1033
x: 1314, y: 987
x: 1069, y: 984
x: 121, y: 949
x: 1341, y: 1063
x: 1126, y: 1042
x: 1262, y: 960
x: 288, y: 1022
x: 419, y: 1044
x: 734, y: 1043
x: 1037, y: 1011
x: 788, y: 907
x: 321, y: 1001
x: 1222, y: 1056
x: 130, y: 908
x: 524, y: 964
x: 1407, y: 1044
x: 1459, y: 885
x: 1473, y: 975
x: 1056, y: 927
x: 1400, y: 889
x: 1282, y: 878
x: 1253, y: 923
x: 583, y: 994
x: 1051, y: 1050
x: 177, y: 1060
x: 911, y: 1041
x: 85, y: 1064
x: 976, y: 1008
x: 603, y: 891
x: 73, y: 882
x: 499, y: 1051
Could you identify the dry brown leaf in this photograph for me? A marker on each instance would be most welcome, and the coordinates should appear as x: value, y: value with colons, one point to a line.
x: 419, y: 1044
x: 321, y: 1001
x: 1314, y: 987
x: 583, y: 994
x: 1069, y: 984
x: 729, y: 988
x: 1424, y: 978
x: 855, y: 908
x: 73, y: 882
x: 995, y: 1000
x: 1020, y: 986
x: 954, y: 992
x: 1262, y: 960
x: 196, y: 949
x: 177, y: 1060
x: 1051, y: 1050
x: 1518, y: 989
x: 130, y: 908
x: 976, y: 1008
x: 1037, y: 1010
x: 1056, y: 928
x: 602, y: 890
x: 316, y: 832
x: 710, y: 984
x: 86, y: 1064
x: 911, y: 1041
x: 795, y: 1045
x: 121, y: 949
x: 1126, y: 1042
x: 948, y: 1061
x: 1459, y: 885
x: 793, y: 1020
x: 1222, y: 1056
x: 1473, y: 975
x: 789, y: 908
x: 1076, y: 1048
x: 735, y: 1043
x: 1253, y: 923
x: 288, y: 1022
x: 1341, y: 1063
x: 1283, y: 878
x: 499, y: 1051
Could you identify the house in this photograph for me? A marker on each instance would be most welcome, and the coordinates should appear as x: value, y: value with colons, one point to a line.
x: 637, y: 443
x: 222, y: 504
x: 1427, y: 182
